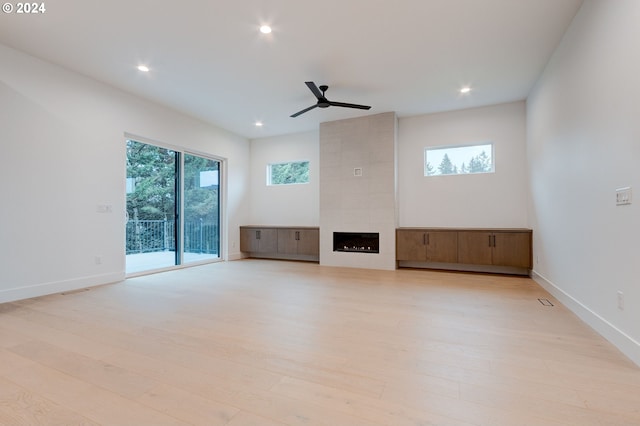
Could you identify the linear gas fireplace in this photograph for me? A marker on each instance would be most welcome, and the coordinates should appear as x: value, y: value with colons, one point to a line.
x: 356, y: 242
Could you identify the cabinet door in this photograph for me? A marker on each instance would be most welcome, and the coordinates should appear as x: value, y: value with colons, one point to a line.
x: 287, y: 242
x: 512, y: 249
x: 268, y: 240
x: 248, y: 240
x: 442, y: 246
x: 258, y: 240
x: 309, y: 242
x: 475, y: 247
x: 410, y: 245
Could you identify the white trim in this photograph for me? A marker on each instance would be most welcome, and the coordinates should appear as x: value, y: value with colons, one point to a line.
x: 621, y: 340
x: 28, y: 292
x: 223, y: 233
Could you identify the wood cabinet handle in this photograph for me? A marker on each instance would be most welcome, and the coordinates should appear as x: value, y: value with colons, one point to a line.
x: 424, y: 239
x: 257, y: 235
x: 428, y: 238
x: 489, y: 240
x: 297, y: 235
x: 494, y: 240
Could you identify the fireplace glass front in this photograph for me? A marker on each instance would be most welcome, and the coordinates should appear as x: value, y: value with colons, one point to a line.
x: 356, y: 242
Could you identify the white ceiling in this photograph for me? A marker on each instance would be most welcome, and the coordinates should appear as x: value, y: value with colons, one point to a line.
x: 209, y: 60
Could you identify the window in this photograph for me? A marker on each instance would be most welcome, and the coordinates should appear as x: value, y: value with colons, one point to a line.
x: 288, y: 173
x: 173, y: 208
x: 457, y: 160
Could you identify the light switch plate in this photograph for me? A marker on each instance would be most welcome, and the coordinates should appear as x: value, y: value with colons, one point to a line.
x: 623, y: 196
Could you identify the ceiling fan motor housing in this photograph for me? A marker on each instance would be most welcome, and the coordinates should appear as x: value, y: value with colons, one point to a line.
x: 323, y: 102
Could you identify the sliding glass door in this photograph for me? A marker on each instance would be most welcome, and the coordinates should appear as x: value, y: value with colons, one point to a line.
x: 152, y: 177
x: 201, y: 231
x: 173, y: 208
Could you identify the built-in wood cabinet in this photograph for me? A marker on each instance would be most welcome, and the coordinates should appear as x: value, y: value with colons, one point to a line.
x: 426, y: 245
x: 503, y: 248
x: 279, y: 242
x: 299, y: 241
x: 258, y: 240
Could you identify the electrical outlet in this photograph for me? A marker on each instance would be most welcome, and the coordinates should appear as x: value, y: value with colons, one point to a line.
x: 620, y: 300
x: 623, y: 196
x: 98, y: 260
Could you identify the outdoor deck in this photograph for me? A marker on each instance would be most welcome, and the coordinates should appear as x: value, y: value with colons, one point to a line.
x: 139, y: 262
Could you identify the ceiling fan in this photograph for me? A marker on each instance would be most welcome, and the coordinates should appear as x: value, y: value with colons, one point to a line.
x: 323, y: 102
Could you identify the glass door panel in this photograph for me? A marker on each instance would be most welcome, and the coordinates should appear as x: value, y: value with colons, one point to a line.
x: 151, y: 232
x: 201, y: 197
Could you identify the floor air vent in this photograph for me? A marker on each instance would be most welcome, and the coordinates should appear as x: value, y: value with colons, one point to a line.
x: 545, y: 302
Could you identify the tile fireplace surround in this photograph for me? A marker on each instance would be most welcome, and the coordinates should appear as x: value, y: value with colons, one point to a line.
x: 358, y: 188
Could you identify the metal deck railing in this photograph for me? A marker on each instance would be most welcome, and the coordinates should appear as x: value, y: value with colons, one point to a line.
x: 146, y: 236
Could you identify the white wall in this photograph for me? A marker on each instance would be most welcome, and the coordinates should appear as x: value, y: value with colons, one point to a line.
x: 294, y: 205
x: 495, y: 200
x: 480, y: 200
x: 63, y: 153
x: 583, y: 121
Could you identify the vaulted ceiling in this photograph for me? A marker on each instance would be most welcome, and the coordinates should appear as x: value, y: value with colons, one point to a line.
x: 208, y: 59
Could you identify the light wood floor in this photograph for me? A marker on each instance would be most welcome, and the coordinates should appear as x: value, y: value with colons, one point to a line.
x: 283, y: 343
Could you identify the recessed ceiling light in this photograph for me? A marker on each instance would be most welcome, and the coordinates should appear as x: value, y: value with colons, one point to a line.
x: 265, y: 29
x: 143, y: 68
x: 259, y: 124
x: 465, y: 90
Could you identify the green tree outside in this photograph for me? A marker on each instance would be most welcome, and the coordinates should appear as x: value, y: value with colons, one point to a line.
x: 446, y: 167
x: 151, y: 196
x: 429, y: 170
x: 480, y: 163
x: 152, y: 170
x: 289, y: 173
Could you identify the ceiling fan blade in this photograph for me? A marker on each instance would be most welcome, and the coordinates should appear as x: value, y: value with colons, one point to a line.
x: 312, y: 86
x: 342, y: 104
x: 304, y: 110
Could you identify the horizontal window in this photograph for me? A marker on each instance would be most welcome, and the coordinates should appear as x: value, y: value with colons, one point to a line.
x: 288, y: 173
x: 457, y: 160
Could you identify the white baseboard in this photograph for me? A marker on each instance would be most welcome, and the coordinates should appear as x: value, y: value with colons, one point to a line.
x: 236, y: 256
x: 625, y: 343
x: 44, y: 289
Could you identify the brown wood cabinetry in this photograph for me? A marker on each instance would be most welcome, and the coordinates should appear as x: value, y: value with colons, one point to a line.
x: 258, y: 240
x: 503, y: 248
x: 279, y: 242
x: 509, y: 249
x: 427, y: 246
x: 300, y: 241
